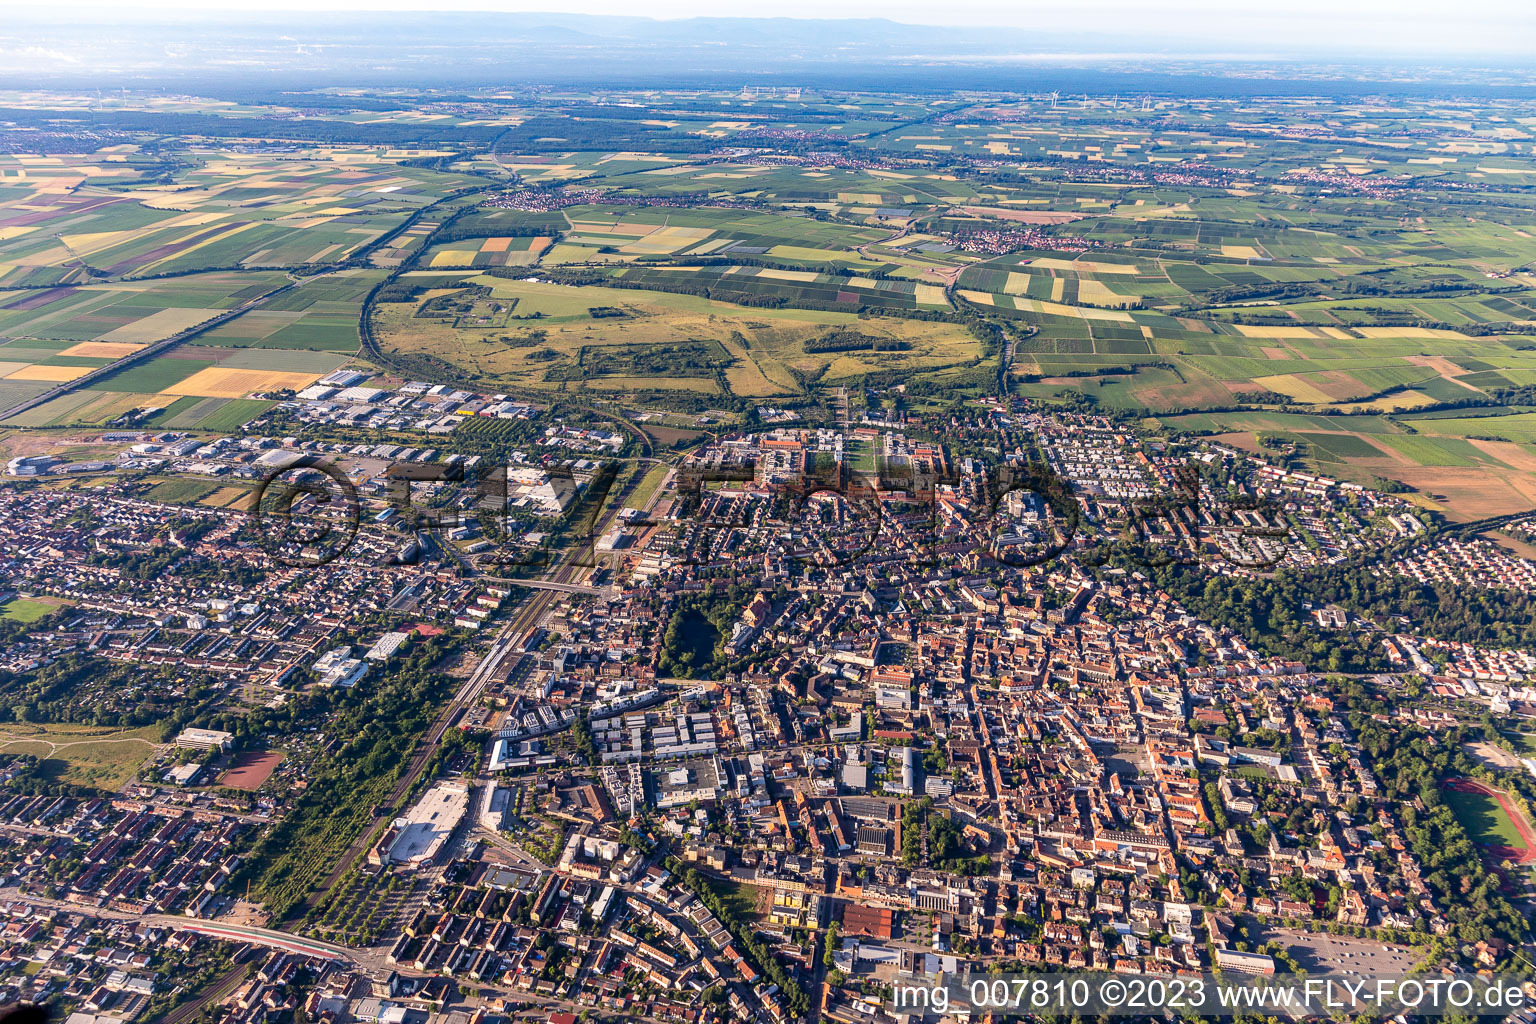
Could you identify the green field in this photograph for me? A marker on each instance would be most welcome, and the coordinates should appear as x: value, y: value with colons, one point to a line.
x: 233, y: 413
x: 646, y: 487
x: 179, y: 491
x: 1520, y: 428
x: 100, y: 758
x: 155, y: 375
x: 23, y: 609
x: 649, y: 261
x: 740, y: 898
x: 1485, y: 821
x: 1433, y: 451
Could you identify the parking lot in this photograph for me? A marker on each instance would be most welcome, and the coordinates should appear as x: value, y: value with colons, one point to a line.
x: 1337, y: 954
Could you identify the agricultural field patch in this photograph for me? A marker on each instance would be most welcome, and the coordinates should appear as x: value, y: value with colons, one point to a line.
x: 223, y: 210
x: 608, y: 337
x: 237, y: 382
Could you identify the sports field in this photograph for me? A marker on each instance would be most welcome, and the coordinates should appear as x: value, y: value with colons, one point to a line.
x: 1491, y: 820
x: 251, y: 769
x: 25, y: 609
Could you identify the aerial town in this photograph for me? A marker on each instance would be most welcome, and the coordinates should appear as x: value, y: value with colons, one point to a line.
x: 526, y: 549
x: 667, y: 788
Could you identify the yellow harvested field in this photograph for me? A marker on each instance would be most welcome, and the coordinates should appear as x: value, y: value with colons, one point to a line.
x: 230, y: 382
x: 682, y: 232
x: 1240, y: 252
x: 980, y: 298
x: 94, y: 241
x: 655, y: 244
x: 1389, y: 403
x: 1408, y: 332
x: 1098, y: 293
x: 1295, y: 387
x: 454, y: 258
x: 1086, y: 312
x: 1083, y: 266
x: 159, y: 325
x: 53, y: 374
x: 1091, y: 267
x: 931, y: 294
x: 225, y: 496
x: 1267, y: 331
x: 788, y: 275
x: 102, y: 349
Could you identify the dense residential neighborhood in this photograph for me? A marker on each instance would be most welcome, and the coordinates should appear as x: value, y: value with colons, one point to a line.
x: 781, y: 790
x: 767, y: 522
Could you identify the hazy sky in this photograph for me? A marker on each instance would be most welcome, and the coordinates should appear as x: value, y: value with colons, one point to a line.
x: 1462, y: 26
x: 1377, y: 15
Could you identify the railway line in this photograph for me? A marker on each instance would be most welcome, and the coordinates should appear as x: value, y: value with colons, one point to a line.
x: 527, y: 615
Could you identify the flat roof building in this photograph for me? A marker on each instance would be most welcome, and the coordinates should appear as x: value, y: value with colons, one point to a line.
x: 205, y: 739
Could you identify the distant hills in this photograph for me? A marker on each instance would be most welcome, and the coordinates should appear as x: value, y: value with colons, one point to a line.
x: 470, y: 49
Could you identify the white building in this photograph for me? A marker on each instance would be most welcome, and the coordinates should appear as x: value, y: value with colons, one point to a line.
x: 338, y: 668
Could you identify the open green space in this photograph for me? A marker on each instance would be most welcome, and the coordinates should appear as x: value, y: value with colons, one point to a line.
x: 24, y: 609
x: 1485, y: 821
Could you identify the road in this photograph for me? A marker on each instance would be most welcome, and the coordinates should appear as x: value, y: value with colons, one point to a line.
x: 906, y: 226
x: 269, y: 937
